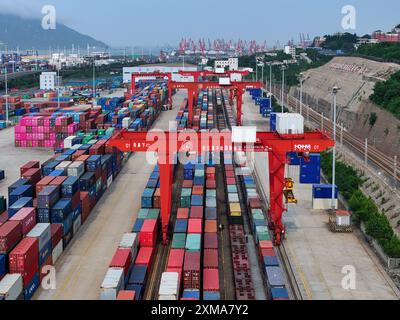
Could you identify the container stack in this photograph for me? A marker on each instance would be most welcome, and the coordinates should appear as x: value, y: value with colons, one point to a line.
x: 322, y: 197
x: 310, y: 169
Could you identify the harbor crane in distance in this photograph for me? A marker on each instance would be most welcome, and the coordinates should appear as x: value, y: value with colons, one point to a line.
x: 168, y: 144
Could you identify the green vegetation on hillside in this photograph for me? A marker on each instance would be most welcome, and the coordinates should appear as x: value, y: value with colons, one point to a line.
x: 364, y: 209
x: 387, y: 94
x: 25, y: 82
x: 344, y: 42
x: 385, y: 51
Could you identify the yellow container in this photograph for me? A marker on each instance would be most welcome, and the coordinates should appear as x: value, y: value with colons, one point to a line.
x: 235, y: 209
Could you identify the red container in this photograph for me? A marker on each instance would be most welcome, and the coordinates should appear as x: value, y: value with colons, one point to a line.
x: 266, y: 244
x: 230, y: 174
x: 157, y: 199
x: 3, y: 217
x: 145, y: 256
x: 198, y: 190
x: 229, y: 167
x: 210, y: 258
x: 210, y: 173
x: 33, y: 175
x: 24, y: 259
x: 58, y: 181
x: 187, y: 184
x: 29, y: 165
x: 196, y: 212
x: 210, y: 241
x: 183, y: 213
x: 27, y: 218
x: 43, y: 271
x: 191, y: 270
x: 254, y: 203
x: 210, y: 280
x: 43, y: 183
x: 126, y: 295
x: 56, y: 234
x: 267, y: 252
x: 211, y: 184
x: 195, y: 226
x: 10, y: 235
x: 175, y: 259
x: 230, y: 181
x: 85, y: 203
x: 122, y: 259
x: 148, y: 233
x: 77, y: 154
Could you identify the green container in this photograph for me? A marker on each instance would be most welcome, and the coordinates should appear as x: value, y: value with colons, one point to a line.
x: 185, y: 197
x: 263, y: 236
x: 193, y: 242
x: 101, y: 132
x: 179, y: 241
x: 143, y: 212
x: 211, y: 193
x: 232, y: 188
x: 80, y: 134
x: 199, y: 173
x: 110, y: 132
x: 257, y: 214
x: 153, y: 214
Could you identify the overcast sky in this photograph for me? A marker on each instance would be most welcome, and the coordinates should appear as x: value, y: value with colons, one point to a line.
x: 158, y: 22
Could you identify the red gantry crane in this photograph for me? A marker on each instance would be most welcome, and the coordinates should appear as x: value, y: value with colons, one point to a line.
x: 194, y: 87
x: 167, y: 144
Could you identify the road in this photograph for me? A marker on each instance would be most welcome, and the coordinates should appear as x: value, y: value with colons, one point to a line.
x: 82, y: 267
x: 317, y: 255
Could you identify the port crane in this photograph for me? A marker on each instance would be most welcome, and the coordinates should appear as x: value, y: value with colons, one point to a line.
x: 168, y: 144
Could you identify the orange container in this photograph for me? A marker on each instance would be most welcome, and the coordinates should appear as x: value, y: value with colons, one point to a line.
x: 198, y: 190
x: 210, y: 226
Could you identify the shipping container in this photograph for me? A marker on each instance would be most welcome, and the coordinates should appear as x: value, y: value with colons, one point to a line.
x: 10, y: 235
x: 138, y: 275
x: 148, y: 233
x: 210, y: 280
x: 169, y: 286
x: 11, y: 287
x: 112, y: 284
x: 191, y: 270
x: 122, y: 259
x: 27, y: 218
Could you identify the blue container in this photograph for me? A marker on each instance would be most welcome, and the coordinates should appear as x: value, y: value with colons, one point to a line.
x: 67, y: 225
x: 70, y: 187
x: 197, y: 200
x: 324, y: 191
x: 211, y: 213
x: 32, y: 287
x: 63, y: 157
x: 43, y: 215
x: 76, y: 211
x: 181, y: 226
x: 279, y: 293
x: 147, y: 198
x: 49, y: 167
x: 310, y: 178
x: 93, y: 162
x: 198, y: 181
x: 57, y: 173
x: 257, y: 223
x: 155, y: 175
x: 21, y: 203
x: 191, y: 294
x: 44, y: 253
x: 293, y: 158
x: 272, y: 121
x: 310, y: 171
x: 274, y: 277
x: 138, y: 275
x: 137, y: 227
x: 152, y: 184
x: 211, y: 295
x: 188, y: 174
x: 20, y: 192
x: 61, y: 210
x: 138, y: 290
x: 3, y: 265
x: 86, y: 181
x: 48, y: 197
x: 271, y: 261
x: 17, y: 184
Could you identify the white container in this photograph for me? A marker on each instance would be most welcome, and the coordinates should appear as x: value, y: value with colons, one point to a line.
x: 63, y: 165
x: 126, y: 122
x: 289, y: 123
x: 169, y: 286
x: 343, y: 219
x: 57, y: 251
x: 76, y: 169
x: 224, y: 81
x: 42, y: 231
x: 324, y: 204
x: 233, y: 197
x: 130, y: 241
x: 11, y: 286
x: 68, y: 142
x: 112, y: 284
x: 77, y: 224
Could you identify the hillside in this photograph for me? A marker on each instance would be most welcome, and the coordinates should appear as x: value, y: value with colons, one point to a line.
x: 28, y: 34
x: 357, y: 78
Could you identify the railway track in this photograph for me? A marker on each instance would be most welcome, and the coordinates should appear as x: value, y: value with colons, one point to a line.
x: 376, y: 157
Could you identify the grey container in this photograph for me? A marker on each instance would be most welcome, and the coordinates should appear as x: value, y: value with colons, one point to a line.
x: 274, y: 277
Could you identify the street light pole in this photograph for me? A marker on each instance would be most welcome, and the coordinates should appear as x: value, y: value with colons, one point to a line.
x: 283, y: 87
x: 94, y: 79
x: 335, y: 90
x: 270, y: 79
x: 6, y: 87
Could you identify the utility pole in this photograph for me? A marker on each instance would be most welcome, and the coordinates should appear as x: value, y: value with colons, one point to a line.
x: 94, y: 79
x: 58, y: 88
x: 335, y: 90
x: 6, y: 87
x: 270, y: 79
x: 283, y: 87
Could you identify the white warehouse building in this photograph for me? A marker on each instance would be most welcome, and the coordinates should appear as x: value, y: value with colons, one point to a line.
x: 48, y: 81
x: 231, y: 63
